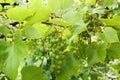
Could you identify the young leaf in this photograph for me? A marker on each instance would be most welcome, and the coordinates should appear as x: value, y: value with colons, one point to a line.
x: 19, y: 14
x: 35, y: 4
x: 42, y: 28
x: 91, y: 2
x: 60, y: 4
x: 0, y: 8
x: 4, y: 30
x: 40, y: 15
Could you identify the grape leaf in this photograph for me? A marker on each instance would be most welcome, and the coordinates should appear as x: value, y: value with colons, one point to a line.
x: 31, y: 32
x: 32, y: 73
x: 35, y: 4
x: 114, y: 50
x: 78, y: 29
x: 96, y: 53
x: 19, y: 14
x: 66, y: 34
x: 72, y: 17
x: 110, y: 35
x: 2, y: 1
x: 0, y: 8
x: 91, y: 2
x: 4, y: 30
x: 42, y: 28
x: 66, y: 3
x: 3, y: 53
x: 69, y: 67
x: 16, y: 53
x: 40, y: 15
x: 112, y: 22
x: 110, y: 3
x: 60, y: 4
x: 9, y: 1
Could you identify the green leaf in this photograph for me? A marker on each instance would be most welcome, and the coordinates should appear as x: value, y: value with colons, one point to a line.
x: 42, y: 28
x: 57, y: 5
x: 110, y: 35
x: 16, y: 53
x: 60, y: 22
x: 114, y: 50
x: 9, y: 1
x: 91, y: 2
x: 94, y: 75
x: 4, y: 30
x: 54, y: 5
x: 35, y: 4
x: 66, y: 3
x: 78, y: 29
x: 72, y: 17
x: 110, y: 3
x: 19, y: 14
x: 2, y: 1
x: 0, y: 8
x: 69, y: 67
x: 112, y: 22
x: 31, y: 32
x: 66, y: 34
x: 32, y: 73
x: 96, y: 53
x: 3, y: 53
x: 40, y: 15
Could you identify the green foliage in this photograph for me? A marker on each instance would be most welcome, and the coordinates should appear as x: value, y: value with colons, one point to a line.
x: 33, y: 73
x: 69, y: 67
x: 96, y: 53
x: 20, y: 13
x: 59, y: 39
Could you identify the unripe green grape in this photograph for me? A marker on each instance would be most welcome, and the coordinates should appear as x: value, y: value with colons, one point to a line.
x: 59, y: 62
x: 57, y: 57
x: 74, y: 51
x: 53, y: 55
x: 58, y: 72
x: 63, y: 57
x: 58, y: 67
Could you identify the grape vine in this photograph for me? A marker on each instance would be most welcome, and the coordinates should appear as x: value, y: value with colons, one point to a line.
x: 59, y: 40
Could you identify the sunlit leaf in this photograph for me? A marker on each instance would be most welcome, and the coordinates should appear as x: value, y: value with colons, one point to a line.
x: 91, y: 2
x: 112, y: 22
x: 4, y: 30
x: 42, y: 28
x: 19, y: 14
x: 40, y: 15
x: 0, y: 8
x: 15, y: 56
x: 110, y: 35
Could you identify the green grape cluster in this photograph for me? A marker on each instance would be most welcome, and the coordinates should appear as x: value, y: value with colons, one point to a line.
x: 55, y: 47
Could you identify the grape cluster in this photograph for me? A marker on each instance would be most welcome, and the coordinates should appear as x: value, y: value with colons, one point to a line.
x: 55, y: 46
